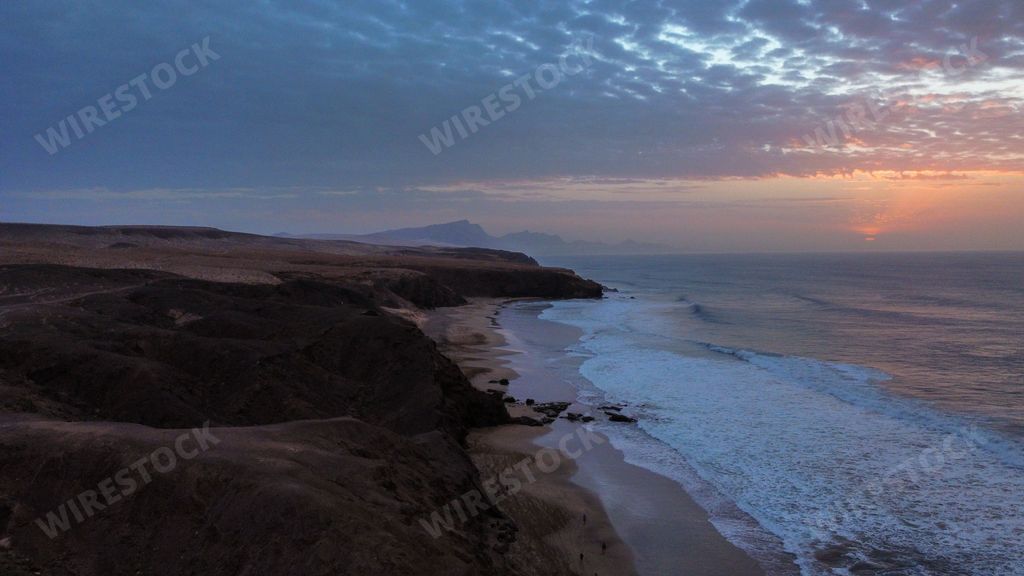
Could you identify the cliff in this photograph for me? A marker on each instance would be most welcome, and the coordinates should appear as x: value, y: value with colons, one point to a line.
x: 338, y: 422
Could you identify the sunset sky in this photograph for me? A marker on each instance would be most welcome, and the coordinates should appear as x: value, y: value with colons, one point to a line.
x: 709, y: 126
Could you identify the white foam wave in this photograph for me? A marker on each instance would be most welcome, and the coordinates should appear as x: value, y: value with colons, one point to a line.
x: 814, y: 451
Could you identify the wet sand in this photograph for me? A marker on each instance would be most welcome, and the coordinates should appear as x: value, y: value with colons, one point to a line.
x: 648, y: 524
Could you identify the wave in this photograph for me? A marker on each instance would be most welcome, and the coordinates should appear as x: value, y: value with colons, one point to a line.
x: 700, y: 311
x: 858, y: 386
x: 815, y: 451
x: 929, y: 317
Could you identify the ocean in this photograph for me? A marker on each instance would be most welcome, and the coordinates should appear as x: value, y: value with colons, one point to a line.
x: 861, y: 412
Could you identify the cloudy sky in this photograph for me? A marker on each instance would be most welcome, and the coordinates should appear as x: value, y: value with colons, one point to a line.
x: 712, y: 126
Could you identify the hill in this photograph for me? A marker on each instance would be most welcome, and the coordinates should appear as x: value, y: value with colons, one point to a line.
x: 333, y: 421
x: 465, y: 233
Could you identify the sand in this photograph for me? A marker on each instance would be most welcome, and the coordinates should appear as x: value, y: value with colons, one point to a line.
x: 557, y: 519
x: 646, y: 522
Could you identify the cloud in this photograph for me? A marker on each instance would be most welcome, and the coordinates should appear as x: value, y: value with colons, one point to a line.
x: 152, y: 195
x: 325, y: 97
x: 321, y: 91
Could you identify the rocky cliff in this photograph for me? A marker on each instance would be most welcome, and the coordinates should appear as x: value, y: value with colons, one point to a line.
x: 337, y: 423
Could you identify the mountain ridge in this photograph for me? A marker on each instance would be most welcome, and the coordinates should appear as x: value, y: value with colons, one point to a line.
x: 464, y: 233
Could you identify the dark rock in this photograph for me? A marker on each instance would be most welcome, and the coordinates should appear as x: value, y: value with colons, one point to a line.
x: 615, y: 408
x: 527, y: 421
x: 510, y: 399
x: 422, y: 290
x: 502, y: 280
x: 503, y: 381
x: 615, y: 417
x: 572, y: 416
x: 552, y: 409
x: 587, y: 419
x: 530, y: 401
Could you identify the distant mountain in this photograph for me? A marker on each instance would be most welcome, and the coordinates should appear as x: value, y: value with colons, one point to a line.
x: 466, y: 233
x: 542, y: 244
x: 460, y: 233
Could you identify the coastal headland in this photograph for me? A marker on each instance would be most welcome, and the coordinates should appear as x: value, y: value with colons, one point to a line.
x: 338, y: 423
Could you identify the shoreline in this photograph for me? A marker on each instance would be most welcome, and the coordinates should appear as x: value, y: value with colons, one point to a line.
x: 549, y: 512
x: 647, y: 523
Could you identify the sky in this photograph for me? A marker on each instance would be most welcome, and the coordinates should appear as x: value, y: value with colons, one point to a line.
x: 733, y: 125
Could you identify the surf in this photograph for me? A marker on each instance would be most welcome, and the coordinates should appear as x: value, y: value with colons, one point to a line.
x: 816, y: 452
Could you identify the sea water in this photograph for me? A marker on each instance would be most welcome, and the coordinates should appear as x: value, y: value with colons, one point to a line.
x: 866, y: 411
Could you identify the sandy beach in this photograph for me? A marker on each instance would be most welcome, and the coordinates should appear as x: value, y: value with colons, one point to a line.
x: 595, y: 513
x: 558, y: 520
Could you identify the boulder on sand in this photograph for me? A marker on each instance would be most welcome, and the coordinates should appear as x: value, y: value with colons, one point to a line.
x: 527, y: 421
x: 552, y: 409
x: 616, y: 417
